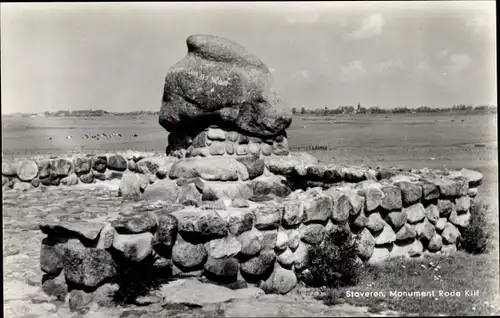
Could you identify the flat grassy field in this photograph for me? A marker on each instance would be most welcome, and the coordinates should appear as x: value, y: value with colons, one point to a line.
x: 406, y: 141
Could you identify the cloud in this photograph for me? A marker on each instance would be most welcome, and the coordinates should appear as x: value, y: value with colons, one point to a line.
x: 458, y: 62
x: 390, y: 66
x: 371, y: 26
x: 352, y: 71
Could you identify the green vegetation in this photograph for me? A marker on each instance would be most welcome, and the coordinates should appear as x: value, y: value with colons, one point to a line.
x: 473, y: 279
x: 398, y: 110
x: 85, y: 113
x: 476, y: 238
x: 334, y: 262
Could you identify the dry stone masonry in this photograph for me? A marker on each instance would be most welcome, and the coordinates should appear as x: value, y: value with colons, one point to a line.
x: 228, y: 201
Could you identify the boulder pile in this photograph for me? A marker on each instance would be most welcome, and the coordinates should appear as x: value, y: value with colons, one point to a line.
x: 238, y: 208
x: 242, y: 242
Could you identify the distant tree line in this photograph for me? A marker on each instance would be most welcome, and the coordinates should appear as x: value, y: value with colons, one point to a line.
x: 398, y: 110
x: 302, y: 111
x: 85, y: 113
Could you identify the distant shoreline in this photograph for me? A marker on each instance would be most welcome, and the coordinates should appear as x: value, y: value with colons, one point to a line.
x: 307, y: 114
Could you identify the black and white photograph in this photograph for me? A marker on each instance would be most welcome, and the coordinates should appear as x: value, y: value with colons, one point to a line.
x: 249, y: 159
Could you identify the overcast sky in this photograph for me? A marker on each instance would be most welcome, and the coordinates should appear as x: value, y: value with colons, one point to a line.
x: 114, y: 56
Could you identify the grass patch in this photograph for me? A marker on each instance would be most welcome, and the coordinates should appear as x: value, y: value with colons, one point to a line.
x: 459, y: 273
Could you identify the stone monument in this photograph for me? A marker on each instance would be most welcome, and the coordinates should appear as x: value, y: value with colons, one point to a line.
x: 227, y: 144
x: 219, y: 100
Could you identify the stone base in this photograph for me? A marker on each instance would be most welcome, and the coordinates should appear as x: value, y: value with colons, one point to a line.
x: 215, y: 141
x: 239, y: 241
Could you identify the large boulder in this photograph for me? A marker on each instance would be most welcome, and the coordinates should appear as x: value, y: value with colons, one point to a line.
x: 293, y: 212
x: 293, y: 163
x: 99, y: 163
x: 222, y: 269
x: 387, y: 236
x: 228, y: 246
x: 268, y: 216
x: 52, y: 255
x: 135, y: 223
x: 270, y: 184
x: 373, y: 197
x: 254, y: 165
x: 77, y: 229
x: 239, y: 220
x: 411, y: 192
x: 9, y: 169
x: 130, y: 186
x: 312, y: 233
x: 392, y: 198
x: 319, y: 208
x: 415, y: 213
x: 450, y: 234
x: 189, y: 195
x: 396, y: 219
x: 165, y: 190
x: 406, y: 232
x: 375, y: 222
x: 432, y: 213
x: 165, y: 235
x: 200, y: 225
x: 134, y: 247
x: 55, y: 286
x: 445, y: 207
x: 27, y: 170
x: 281, y: 281
x: 251, y: 242
x: 425, y: 230
x: 365, y: 244
x: 188, y: 256
x: 259, y: 265
x: 435, y: 243
x: 220, y: 190
x: 117, y: 162
x: 460, y: 220
x: 379, y: 254
x: 89, y: 267
x: 462, y: 204
x: 211, y: 169
x: 407, y: 249
x: 220, y: 82
x: 473, y: 177
x: 301, y: 255
x: 430, y: 191
x: 82, y: 165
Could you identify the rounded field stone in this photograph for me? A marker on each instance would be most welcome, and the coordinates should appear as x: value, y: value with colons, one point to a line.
x: 312, y: 233
x: 134, y: 247
x: 88, y: 266
x: 117, y: 162
x: 27, y: 170
x: 251, y: 242
x: 188, y: 256
x: 62, y: 167
x: 99, y: 163
x: 135, y: 223
x: 258, y: 265
x: 365, y: 245
x: 226, y: 267
x: 82, y: 165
